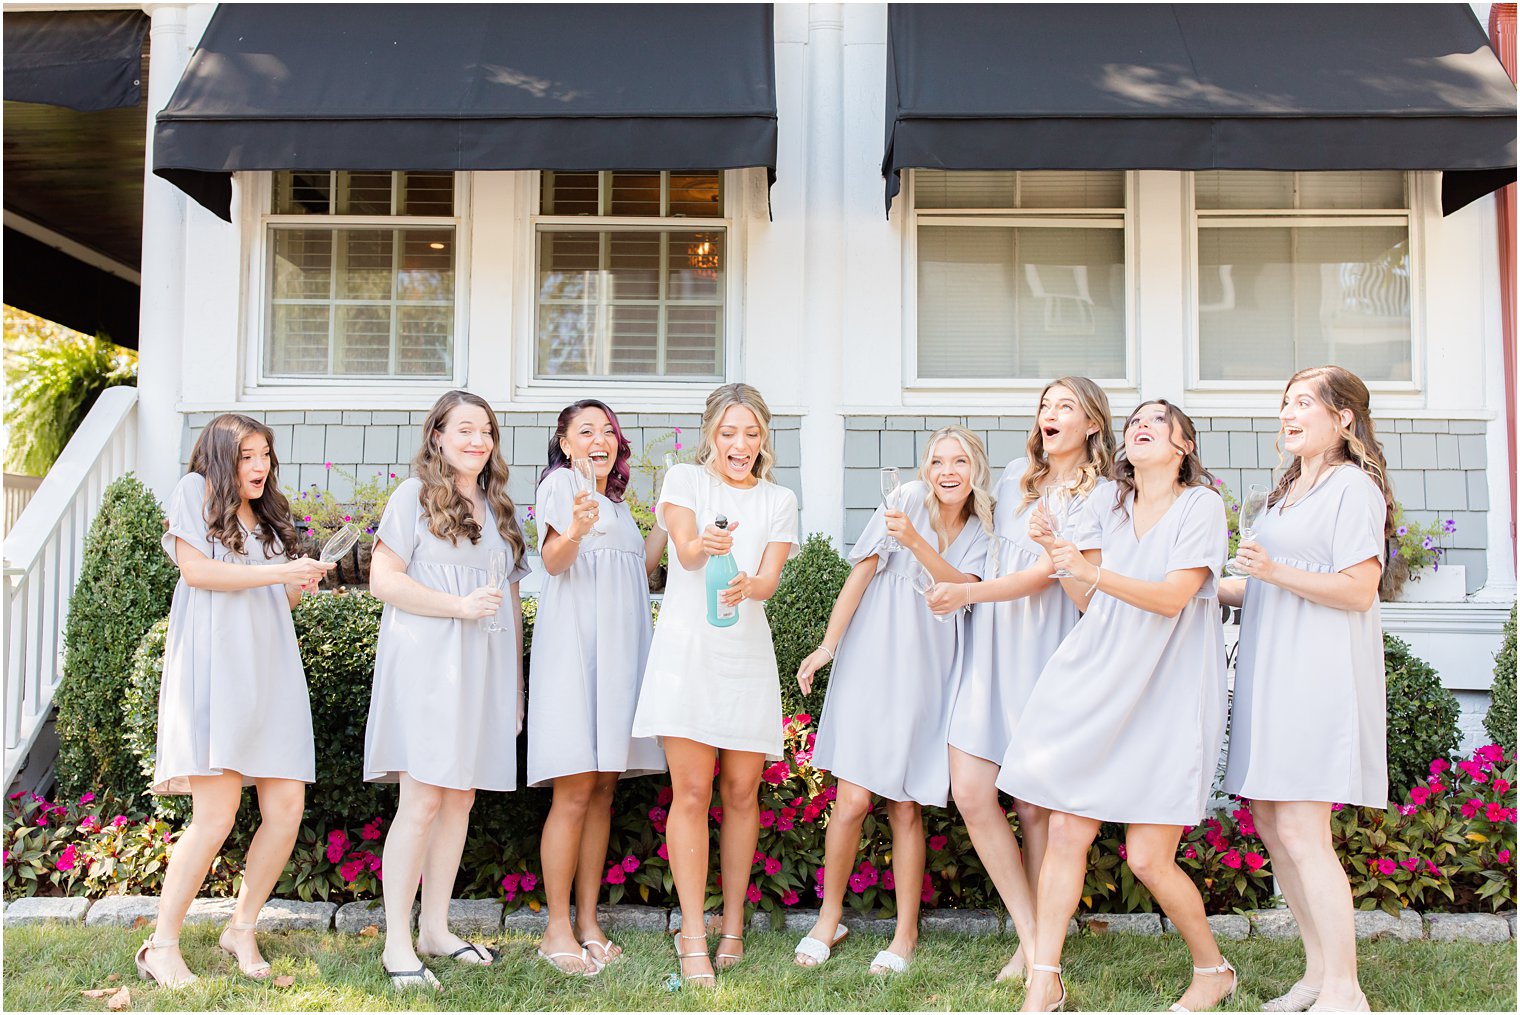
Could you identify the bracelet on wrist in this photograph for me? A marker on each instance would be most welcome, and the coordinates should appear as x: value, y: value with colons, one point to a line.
x: 828, y: 650
x: 1097, y: 577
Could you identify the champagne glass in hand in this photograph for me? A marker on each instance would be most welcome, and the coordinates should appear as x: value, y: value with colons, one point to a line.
x: 496, y: 574
x: 1251, y: 507
x: 890, y: 482
x: 1056, y: 501
x: 923, y: 582
x: 338, y: 544
x: 585, y: 482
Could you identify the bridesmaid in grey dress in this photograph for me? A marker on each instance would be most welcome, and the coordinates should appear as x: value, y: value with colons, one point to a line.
x: 887, y: 711
x: 1126, y: 721
x: 232, y: 707
x: 591, y: 640
x: 1010, y: 638
x: 446, y: 706
x: 1307, y: 735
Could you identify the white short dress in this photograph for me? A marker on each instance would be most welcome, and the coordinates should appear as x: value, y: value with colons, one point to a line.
x: 233, y: 695
x: 445, y: 703
x: 590, y: 643
x: 717, y: 685
x: 1009, y: 643
x: 1126, y: 721
x: 1309, y: 720
x: 887, y: 709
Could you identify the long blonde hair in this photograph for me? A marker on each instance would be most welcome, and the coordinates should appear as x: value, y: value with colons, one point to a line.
x: 719, y: 402
x: 980, y: 502
x: 1339, y: 389
x: 1093, y: 401
x: 448, y: 513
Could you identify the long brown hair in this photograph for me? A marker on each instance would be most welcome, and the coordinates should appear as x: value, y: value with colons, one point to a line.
x: 1341, y: 389
x: 719, y: 402
x: 980, y: 501
x: 215, y: 456
x: 448, y: 513
x: 1093, y: 401
x: 1190, y: 473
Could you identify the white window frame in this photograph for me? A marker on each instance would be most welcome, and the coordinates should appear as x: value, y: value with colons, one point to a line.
x: 1420, y: 197
x: 1118, y: 218
x: 256, y: 191
x: 737, y: 203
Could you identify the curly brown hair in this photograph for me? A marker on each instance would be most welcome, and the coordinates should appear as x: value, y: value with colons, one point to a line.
x: 449, y: 514
x: 215, y: 457
x: 1190, y: 473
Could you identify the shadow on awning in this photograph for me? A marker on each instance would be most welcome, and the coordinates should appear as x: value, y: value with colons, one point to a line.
x: 470, y: 87
x: 84, y: 60
x: 1199, y: 86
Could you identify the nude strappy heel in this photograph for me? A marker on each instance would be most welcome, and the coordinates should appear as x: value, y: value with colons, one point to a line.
x: 1060, y: 1002
x: 693, y: 955
x: 1223, y: 967
x: 256, y: 971
x: 144, y: 972
x: 731, y: 960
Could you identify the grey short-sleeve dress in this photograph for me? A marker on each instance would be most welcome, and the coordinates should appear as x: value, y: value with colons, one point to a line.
x: 1009, y: 643
x: 717, y: 685
x: 887, y: 711
x: 1309, y: 719
x: 233, y: 696
x: 590, y: 644
x: 1126, y: 721
x: 444, y: 706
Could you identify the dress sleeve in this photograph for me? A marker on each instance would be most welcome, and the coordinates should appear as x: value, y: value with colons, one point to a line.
x: 783, y: 520
x: 554, y: 504
x: 875, y: 532
x: 682, y: 487
x: 1358, y: 524
x: 1087, y: 522
x: 975, y: 561
x: 520, y: 568
x: 398, y: 525
x: 187, y: 516
x: 1201, y: 539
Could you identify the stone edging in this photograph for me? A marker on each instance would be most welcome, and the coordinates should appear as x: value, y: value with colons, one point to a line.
x: 484, y: 916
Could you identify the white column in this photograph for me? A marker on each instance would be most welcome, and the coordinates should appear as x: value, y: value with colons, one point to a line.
x: 824, y: 275
x: 1500, y: 586
x: 161, y: 327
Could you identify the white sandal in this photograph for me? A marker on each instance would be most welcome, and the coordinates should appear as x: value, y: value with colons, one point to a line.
x: 1298, y: 998
x: 146, y: 973
x: 812, y: 948
x: 889, y: 962
x: 257, y: 970
x: 1223, y: 967
x: 591, y: 966
x: 1060, y: 1002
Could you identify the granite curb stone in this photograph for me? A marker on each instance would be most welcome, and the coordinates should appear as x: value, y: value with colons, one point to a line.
x: 25, y: 912
x: 960, y: 921
x: 475, y: 916
x: 1148, y: 924
x: 1227, y: 926
x: 1372, y: 924
x: 126, y: 910
x: 1276, y: 924
x: 1486, y: 928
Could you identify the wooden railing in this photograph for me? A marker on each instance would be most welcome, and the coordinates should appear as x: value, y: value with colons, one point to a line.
x: 18, y: 491
x: 43, y: 552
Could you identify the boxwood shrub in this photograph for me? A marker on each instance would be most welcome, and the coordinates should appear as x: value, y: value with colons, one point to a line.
x: 1500, y: 721
x: 1422, y: 716
x: 799, y: 614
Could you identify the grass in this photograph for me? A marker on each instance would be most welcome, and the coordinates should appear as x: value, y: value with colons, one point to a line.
x: 46, y: 968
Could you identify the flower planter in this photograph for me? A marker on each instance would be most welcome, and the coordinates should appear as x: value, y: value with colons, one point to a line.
x: 1447, y: 585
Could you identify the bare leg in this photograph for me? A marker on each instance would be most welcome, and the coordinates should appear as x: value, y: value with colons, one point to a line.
x: 561, y: 851
x: 214, y: 808
x: 739, y: 789
x: 1153, y: 857
x: 1061, y: 876
x: 973, y: 781
x: 281, y: 803
x: 841, y: 845
x: 686, y: 839
x: 1302, y: 828
x: 907, y: 820
x: 406, y: 846
x: 595, y: 833
x: 1289, y: 878
x: 440, y: 867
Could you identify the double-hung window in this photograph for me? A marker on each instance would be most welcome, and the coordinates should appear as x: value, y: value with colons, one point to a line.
x: 1300, y: 269
x: 632, y: 276
x: 361, y: 272
x: 1021, y: 276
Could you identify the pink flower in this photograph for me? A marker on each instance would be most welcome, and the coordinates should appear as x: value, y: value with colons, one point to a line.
x: 790, y: 898
x: 371, y: 831
x: 759, y: 858
x: 614, y: 875
x: 888, y: 882
x: 772, y: 865
x: 1501, y: 786
x: 630, y: 864
x: 767, y: 818
x: 716, y: 814
x: 529, y: 882
x: 657, y: 816
x: 1244, y: 821
x: 1471, y: 808
x: 663, y: 852
x: 818, y: 874
x: 1439, y: 765
x: 927, y: 895
x: 802, y: 718
x: 119, y: 821
x: 168, y: 835
x: 1436, y: 785
x: 351, y: 870
x: 1407, y: 809
x: 89, y: 824
x: 777, y: 773
x: 1191, y: 853
x: 327, y: 464
x: 1410, y: 863
x: 1475, y: 770
x: 510, y: 882
x: 1495, y: 813
x: 1432, y: 869
x: 938, y: 842
x: 784, y: 824
x: 1386, y: 867
x: 337, y: 845
x: 858, y: 884
x: 1123, y: 852
x: 66, y: 859
x: 87, y: 798
x: 752, y: 893
x: 1255, y: 861
x: 1492, y: 753
x: 1419, y: 794
x: 1231, y: 860
x: 1337, y: 807
x: 665, y: 796
x: 373, y: 862
x: 810, y: 813
x: 1503, y: 855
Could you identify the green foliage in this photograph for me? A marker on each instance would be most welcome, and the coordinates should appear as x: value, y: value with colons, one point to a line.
x: 126, y: 582
x: 1422, y: 715
x: 799, y: 614
x: 322, y: 513
x: 53, y: 376
x: 1500, y: 721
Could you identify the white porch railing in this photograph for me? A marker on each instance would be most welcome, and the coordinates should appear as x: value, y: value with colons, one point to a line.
x: 18, y: 492
x: 43, y: 552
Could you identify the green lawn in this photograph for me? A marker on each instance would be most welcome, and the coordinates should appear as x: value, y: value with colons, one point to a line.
x: 46, y: 968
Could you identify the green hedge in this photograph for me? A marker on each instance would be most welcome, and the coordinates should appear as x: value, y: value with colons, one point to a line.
x: 1422, y: 716
x: 126, y: 582
x: 799, y: 614
x: 1500, y: 721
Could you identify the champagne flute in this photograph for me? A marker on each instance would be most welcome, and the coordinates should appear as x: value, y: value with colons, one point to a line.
x: 891, y: 481
x: 1252, y: 505
x: 1056, y: 501
x: 585, y: 482
x: 923, y: 582
x: 339, y: 543
x: 496, y: 575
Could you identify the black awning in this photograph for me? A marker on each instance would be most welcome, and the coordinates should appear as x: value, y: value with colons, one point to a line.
x: 470, y: 87
x: 1199, y: 86
x: 85, y: 60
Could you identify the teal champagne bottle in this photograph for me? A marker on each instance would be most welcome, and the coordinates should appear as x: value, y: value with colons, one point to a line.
x: 720, y: 571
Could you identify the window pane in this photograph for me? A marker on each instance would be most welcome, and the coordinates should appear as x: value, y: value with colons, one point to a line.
x: 427, y: 194
x: 696, y: 195
x: 569, y: 193
x: 303, y: 264
x: 427, y: 265
x: 364, y: 193
x: 1226, y: 190
x: 938, y: 188
x: 302, y: 193
x: 363, y: 340
x: 1273, y: 301
x: 1020, y: 302
x: 298, y: 339
x: 635, y: 194
x: 368, y: 263
x: 425, y: 341
x: 630, y: 303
